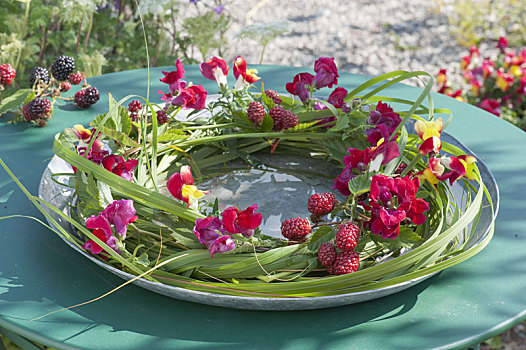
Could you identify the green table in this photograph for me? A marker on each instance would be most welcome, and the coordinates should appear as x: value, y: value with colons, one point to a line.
x: 39, y: 273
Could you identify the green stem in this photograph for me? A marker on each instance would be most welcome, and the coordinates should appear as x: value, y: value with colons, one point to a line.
x: 24, y: 28
x: 411, y: 165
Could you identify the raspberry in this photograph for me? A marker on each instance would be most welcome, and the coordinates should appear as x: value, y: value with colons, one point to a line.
x: 274, y: 96
x: 38, y: 108
x: 134, y: 106
x: 7, y: 74
x: 162, y: 117
x: 327, y: 254
x: 346, y: 262
x: 65, y: 86
x: 76, y: 78
x: 295, y: 229
x: 283, y: 119
x: 321, y: 203
x: 255, y: 113
x: 347, y: 236
x: 39, y: 73
x: 62, y: 67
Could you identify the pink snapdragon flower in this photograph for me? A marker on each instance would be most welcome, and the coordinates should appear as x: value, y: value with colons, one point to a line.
x: 191, y: 97
x: 120, y: 213
x: 244, y: 222
x: 215, y: 69
x: 210, y: 232
x: 102, y: 230
x: 385, y: 121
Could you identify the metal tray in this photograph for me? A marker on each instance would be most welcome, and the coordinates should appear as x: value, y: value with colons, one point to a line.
x: 61, y: 197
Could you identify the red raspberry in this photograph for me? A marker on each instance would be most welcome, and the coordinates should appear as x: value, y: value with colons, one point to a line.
x: 65, y: 86
x: 283, y: 119
x: 327, y: 254
x: 76, y: 78
x: 321, y: 203
x: 295, y: 229
x: 347, y: 236
x: 274, y: 96
x: 7, y: 74
x: 255, y: 113
x: 346, y: 262
x: 162, y: 117
x: 134, y: 106
x: 134, y: 116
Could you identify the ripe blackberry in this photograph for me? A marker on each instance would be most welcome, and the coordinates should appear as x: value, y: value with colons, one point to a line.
x: 65, y: 86
x: 92, y: 95
x: 321, y: 203
x: 327, y: 254
x: 79, y: 99
x: 7, y: 74
x: 39, y: 73
x: 38, y: 108
x: 255, y: 113
x: 295, y: 229
x: 274, y: 96
x: 346, y: 262
x: 162, y: 117
x: 347, y: 236
x: 76, y: 78
x: 62, y: 67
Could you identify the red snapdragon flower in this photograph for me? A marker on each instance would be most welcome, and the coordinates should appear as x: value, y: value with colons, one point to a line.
x: 337, y: 97
x: 118, y: 166
x: 193, y: 97
x: 215, y: 69
x: 244, y: 76
x: 244, y: 222
x: 298, y: 87
x: 210, y: 232
x: 491, y: 105
x: 326, y: 72
x: 385, y: 121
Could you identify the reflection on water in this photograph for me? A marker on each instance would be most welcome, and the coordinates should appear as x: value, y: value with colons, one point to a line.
x: 279, y: 194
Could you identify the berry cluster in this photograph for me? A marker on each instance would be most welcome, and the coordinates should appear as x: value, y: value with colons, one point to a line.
x: 274, y: 96
x: 255, y: 113
x: 347, y: 260
x: 320, y: 204
x: 134, y: 107
x: 37, y: 110
x: 62, y: 68
x: 295, y: 229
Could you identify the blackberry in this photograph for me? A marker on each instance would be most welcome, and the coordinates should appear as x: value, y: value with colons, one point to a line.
x: 7, y: 74
x: 274, y: 96
x: 255, y: 113
x: 134, y: 106
x: 321, y: 203
x: 76, y: 78
x: 79, y: 99
x: 347, y: 236
x: 39, y: 73
x: 346, y: 262
x: 62, y: 68
x: 162, y: 117
x: 295, y: 229
x: 92, y: 95
x: 38, y: 108
x: 327, y: 254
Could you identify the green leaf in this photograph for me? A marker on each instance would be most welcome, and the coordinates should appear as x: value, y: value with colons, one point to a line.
x: 341, y: 123
x: 120, y: 137
x: 267, y: 124
x: 15, y: 100
x: 105, y: 197
x: 360, y: 184
x: 171, y: 135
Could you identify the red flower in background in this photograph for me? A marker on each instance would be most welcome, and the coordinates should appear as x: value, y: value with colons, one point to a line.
x: 298, y: 85
x: 326, y: 72
x: 491, y: 105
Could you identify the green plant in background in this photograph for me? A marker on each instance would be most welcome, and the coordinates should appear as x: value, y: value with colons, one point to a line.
x: 263, y: 33
x: 102, y: 35
x: 474, y: 20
